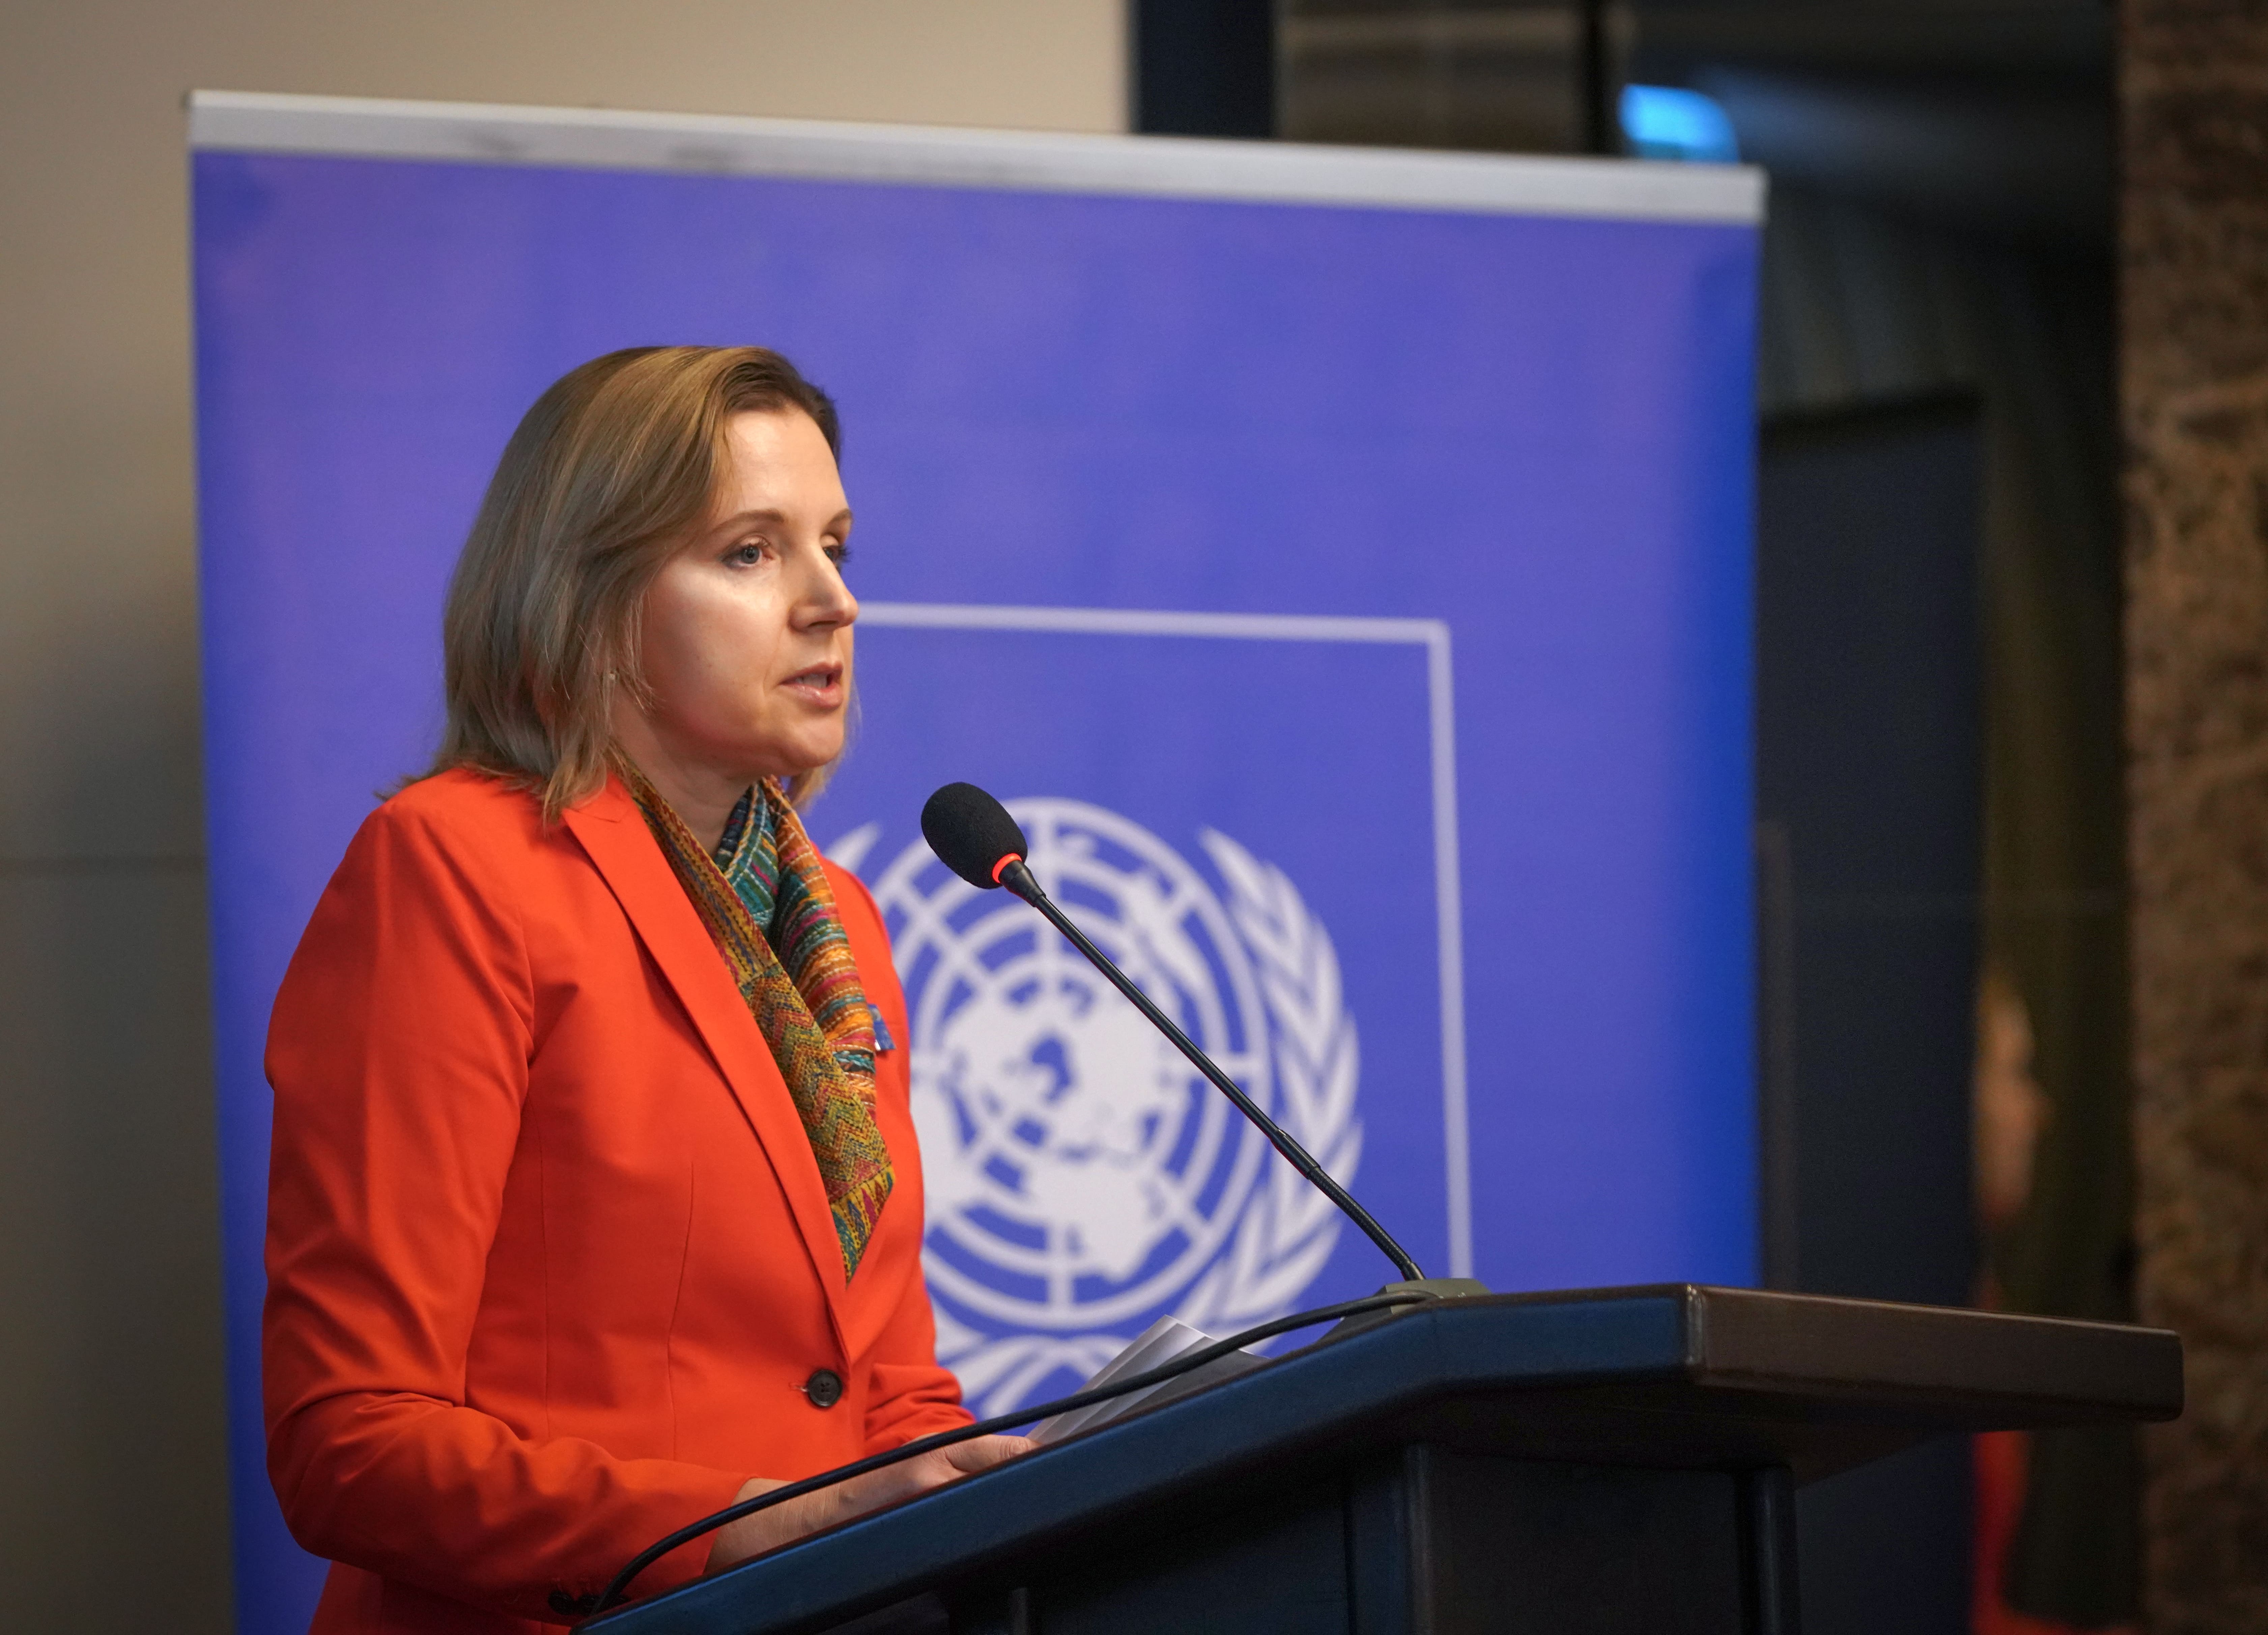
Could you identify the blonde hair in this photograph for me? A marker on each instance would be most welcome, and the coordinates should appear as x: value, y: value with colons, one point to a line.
x: 602, y: 481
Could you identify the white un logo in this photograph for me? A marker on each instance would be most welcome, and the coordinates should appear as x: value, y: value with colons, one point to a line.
x: 1081, y: 1177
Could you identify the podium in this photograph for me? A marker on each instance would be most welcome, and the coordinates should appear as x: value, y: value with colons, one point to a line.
x: 1594, y: 1463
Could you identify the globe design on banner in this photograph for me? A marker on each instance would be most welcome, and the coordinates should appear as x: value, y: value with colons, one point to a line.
x: 1082, y: 1178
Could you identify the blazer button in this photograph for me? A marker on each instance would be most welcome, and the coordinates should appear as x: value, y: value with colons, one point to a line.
x: 824, y: 1387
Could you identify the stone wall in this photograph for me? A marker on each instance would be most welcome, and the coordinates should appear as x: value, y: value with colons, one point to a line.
x: 2194, y: 389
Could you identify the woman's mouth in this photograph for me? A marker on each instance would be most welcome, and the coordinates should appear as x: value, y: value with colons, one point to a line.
x: 820, y: 684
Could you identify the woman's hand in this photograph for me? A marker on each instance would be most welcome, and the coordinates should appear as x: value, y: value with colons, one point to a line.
x: 784, y: 1523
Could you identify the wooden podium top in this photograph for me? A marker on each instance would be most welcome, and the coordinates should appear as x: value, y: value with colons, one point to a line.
x: 1665, y: 1376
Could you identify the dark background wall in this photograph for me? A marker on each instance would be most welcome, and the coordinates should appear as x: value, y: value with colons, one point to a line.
x: 1203, y: 68
x: 1869, y: 786
x: 1939, y: 228
x: 1869, y: 795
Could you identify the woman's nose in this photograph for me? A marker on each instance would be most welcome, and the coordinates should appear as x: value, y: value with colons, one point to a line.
x: 826, y: 599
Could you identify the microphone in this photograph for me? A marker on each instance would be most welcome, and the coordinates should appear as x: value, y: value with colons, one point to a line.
x: 973, y: 836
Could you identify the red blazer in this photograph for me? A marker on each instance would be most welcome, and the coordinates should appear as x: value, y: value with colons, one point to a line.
x: 548, y: 1257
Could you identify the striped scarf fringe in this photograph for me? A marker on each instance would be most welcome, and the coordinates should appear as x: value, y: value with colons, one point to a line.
x: 801, y: 987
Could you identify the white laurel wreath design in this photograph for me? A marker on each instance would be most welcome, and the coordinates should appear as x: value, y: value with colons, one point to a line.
x: 1288, y: 1229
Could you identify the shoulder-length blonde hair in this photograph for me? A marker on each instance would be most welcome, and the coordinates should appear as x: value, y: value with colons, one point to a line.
x: 601, y: 483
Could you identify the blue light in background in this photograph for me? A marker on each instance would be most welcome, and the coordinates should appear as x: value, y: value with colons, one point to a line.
x: 1663, y: 122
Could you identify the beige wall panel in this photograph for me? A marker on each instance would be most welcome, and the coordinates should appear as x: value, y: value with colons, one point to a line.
x: 96, y: 559
x: 113, y: 1501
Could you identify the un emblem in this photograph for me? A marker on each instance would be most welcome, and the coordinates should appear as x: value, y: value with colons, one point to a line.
x: 1081, y: 1177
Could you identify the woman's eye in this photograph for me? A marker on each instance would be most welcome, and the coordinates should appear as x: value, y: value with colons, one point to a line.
x: 746, y: 555
x: 839, y: 553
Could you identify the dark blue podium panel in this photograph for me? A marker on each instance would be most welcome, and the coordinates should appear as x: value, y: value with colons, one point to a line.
x: 1617, y: 1460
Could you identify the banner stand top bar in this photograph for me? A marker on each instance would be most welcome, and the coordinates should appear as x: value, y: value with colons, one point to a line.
x: 817, y: 150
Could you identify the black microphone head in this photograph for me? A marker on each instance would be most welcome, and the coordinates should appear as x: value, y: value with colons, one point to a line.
x: 972, y: 834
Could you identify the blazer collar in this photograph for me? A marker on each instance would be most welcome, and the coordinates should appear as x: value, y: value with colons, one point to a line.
x: 612, y: 831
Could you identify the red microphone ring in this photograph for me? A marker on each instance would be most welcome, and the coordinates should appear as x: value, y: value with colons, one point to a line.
x: 1013, y: 857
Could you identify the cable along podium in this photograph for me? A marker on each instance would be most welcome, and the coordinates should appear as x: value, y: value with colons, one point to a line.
x: 1599, y: 1461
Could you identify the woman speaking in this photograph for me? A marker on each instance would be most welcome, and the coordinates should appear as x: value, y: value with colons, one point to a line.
x: 594, y: 1202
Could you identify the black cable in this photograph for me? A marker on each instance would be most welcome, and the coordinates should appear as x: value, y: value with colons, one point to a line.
x: 611, y: 1596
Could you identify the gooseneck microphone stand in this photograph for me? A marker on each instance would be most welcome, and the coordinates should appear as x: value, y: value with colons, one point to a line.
x: 1018, y: 878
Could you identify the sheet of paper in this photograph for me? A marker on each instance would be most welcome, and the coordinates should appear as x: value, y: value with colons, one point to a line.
x: 1158, y: 1344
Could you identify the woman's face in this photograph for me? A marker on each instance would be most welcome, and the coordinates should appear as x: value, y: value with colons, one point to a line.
x: 747, y: 630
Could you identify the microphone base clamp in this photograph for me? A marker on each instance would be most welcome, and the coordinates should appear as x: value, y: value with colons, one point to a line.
x: 1440, y: 1288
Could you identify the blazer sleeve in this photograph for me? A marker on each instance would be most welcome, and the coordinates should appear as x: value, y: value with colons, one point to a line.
x: 399, y: 1055
x: 909, y: 1395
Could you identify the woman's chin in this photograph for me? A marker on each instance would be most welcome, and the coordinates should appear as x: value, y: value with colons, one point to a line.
x: 807, y: 759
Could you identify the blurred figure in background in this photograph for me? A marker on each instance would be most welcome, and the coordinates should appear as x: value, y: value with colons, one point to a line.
x: 2010, y: 1110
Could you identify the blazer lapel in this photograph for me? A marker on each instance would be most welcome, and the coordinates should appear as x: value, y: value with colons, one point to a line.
x: 612, y: 832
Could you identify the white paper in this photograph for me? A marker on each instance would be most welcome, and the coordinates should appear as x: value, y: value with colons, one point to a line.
x: 1156, y: 1346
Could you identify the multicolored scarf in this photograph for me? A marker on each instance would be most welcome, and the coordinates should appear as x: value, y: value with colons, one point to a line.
x: 771, y: 913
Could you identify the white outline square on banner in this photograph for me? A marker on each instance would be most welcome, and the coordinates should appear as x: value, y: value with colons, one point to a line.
x: 1432, y: 635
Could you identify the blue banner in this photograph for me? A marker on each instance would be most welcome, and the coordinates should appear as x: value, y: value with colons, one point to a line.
x: 1352, y: 602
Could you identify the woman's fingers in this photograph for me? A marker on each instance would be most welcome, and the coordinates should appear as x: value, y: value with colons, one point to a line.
x: 937, y: 1468
x: 768, y: 1529
x: 752, y: 1535
x: 968, y: 1458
